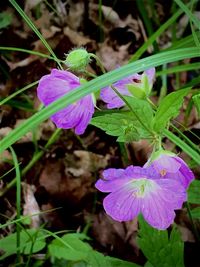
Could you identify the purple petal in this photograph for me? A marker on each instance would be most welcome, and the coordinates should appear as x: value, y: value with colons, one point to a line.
x: 121, y: 205
x: 77, y: 115
x: 165, y: 162
x: 185, y: 174
x: 151, y: 74
x: 112, y: 99
x: 171, y: 167
x: 109, y: 96
x: 112, y: 180
x: 53, y: 86
x: 158, y: 207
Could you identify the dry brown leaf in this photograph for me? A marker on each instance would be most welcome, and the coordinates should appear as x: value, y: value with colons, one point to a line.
x: 30, y: 4
x: 111, y: 58
x: 76, y: 38
x: 75, y: 15
x: 31, y: 206
x: 87, y: 162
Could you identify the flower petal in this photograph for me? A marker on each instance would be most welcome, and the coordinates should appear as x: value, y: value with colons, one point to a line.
x: 159, y: 205
x: 53, y: 86
x: 122, y: 205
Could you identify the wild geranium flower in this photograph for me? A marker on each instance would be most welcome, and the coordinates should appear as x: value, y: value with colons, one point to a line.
x: 135, y: 190
x: 136, y: 80
x: 170, y: 166
x: 58, y: 83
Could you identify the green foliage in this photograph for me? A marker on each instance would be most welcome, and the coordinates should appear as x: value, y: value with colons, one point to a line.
x: 31, y: 241
x: 128, y: 126
x: 159, y: 249
x: 124, y: 125
x: 169, y: 109
x: 196, y: 99
x: 5, y: 19
x: 71, y: 248
x: 194, y: 192
x: 195, y: 213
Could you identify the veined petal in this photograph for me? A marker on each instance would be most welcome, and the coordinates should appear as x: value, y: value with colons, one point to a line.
x: 54, y: 85
x: 167, y: 163
x: 185, y: 174
x: 159, y: 205
x: 122, y: 205
x: 76, y: 115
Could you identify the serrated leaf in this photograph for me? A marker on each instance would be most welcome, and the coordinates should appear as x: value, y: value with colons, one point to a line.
x: 196, y: 99
x: 193, y: 192
x: 169, y: 109
x: 28, y: 243
x: 142, y: 111
x: 160, y: 250
x: 124, y: 125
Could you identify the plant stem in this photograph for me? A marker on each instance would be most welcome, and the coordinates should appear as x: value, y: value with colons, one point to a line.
x: 18, y: 202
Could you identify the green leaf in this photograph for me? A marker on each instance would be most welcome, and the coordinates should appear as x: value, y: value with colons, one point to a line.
x: 169, y: 109
x: 124, y: 125
x: 196, y: 99
x: 195, y: 213
x: 5, y: 19
x: 142, y: 111
x: 30, y: 241
x: 76, y: 250
x: 114, y: 262
x: 159, y: 249
x: 194, y: 192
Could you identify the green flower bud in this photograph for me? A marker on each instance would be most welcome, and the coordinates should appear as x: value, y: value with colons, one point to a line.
x: 77, y: 59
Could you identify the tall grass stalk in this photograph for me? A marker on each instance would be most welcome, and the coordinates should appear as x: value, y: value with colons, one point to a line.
x: 18, y: 201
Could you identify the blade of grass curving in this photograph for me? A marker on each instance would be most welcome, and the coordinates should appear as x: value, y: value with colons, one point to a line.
x: 186, y: 139
x: 33, y: 27
x: 94, y: 85
x: 192, y: 83
x: 2, y: 102
x: 185, y: 147
x: 14, y: 49
x: 184, y: 42
x: 191, y: 16
x: 180, y: 68
x: 154, y: 36
x: 18, y: 200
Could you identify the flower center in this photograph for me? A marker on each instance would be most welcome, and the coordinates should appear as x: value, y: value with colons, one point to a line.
x: 163, y: 172
x: 142, y: 187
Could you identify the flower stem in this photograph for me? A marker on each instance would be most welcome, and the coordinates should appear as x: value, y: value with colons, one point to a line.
x: 99, y: 63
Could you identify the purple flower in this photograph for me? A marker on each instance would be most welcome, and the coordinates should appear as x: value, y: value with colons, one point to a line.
x: 113, y: 100
x: 135, y: 190
x: 58, y: 83
x: 169, y: 166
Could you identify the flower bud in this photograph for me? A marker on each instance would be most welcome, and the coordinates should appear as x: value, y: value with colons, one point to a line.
x: 77, y: 59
